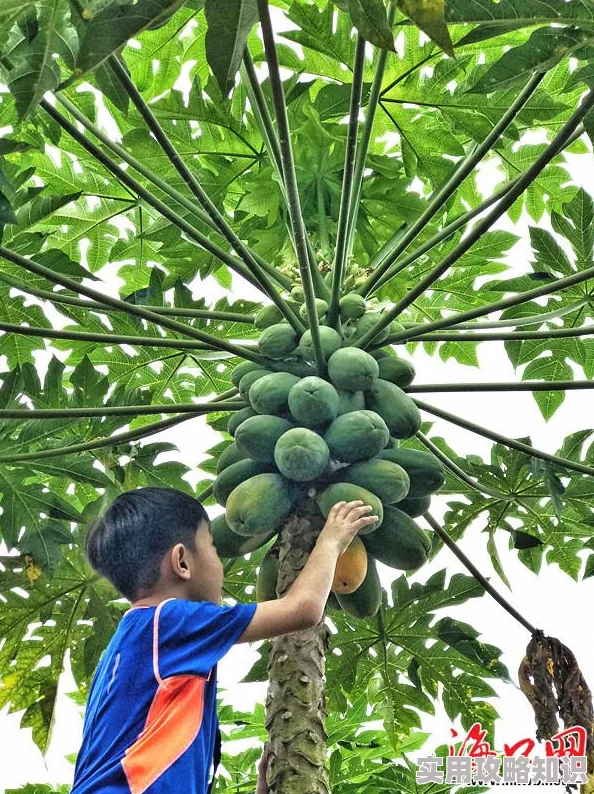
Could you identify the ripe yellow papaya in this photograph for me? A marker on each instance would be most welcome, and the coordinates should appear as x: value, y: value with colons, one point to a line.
x: 351, y: 568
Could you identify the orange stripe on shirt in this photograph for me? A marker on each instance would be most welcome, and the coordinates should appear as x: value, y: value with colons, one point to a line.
x: 172, y: 724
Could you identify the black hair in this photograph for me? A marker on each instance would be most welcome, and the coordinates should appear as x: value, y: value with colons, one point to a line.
x: 128, y: 542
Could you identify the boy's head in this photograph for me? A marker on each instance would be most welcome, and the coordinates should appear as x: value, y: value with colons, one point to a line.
x: 156, y: 539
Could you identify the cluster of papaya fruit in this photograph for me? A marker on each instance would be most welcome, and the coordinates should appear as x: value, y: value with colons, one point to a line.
x: 330, y: 439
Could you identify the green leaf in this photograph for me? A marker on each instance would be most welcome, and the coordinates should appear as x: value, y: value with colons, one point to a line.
x: 371, y: 20
x: 12, y: 10
x: 428, y: 16
x: 576, y: 223
x: 36, y: 69
x: 7, y: 214
x: 229, y: 25
x: 549, y: 253
x: 109, y: 29
x: 531, y: 12
x: 545, y: 48
x: 553, y: 369
x: 496, y: 559
x: 9, y: 146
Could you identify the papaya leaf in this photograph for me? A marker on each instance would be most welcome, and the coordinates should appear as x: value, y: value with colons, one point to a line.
x: 7, y: 214
x: 371, y: 20
x: 404, y: 641
x: 109, y: 30
x: 36, y: 69
x: 229, y: 25
x: 55, y: 607
x: 548, y: 252
x: 12, y: 10
x: 552, y: 369
x: 428, y: 16
x: 111, y: 87
x: 529, y: 13
x: 545, y: 48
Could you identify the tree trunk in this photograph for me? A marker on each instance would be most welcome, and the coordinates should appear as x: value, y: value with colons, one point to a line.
x: 295, y: 709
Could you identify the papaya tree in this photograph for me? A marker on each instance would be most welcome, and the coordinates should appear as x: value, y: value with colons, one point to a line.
x: 321, y: 164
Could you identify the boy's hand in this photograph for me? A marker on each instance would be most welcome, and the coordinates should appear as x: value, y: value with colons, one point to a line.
x: 344, y: 520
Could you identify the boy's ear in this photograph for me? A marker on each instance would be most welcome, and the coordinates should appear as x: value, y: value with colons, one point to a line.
x: 180, y: 561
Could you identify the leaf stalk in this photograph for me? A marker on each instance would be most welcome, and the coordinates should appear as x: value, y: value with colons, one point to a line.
x: 527, y: 385
x: 200, y: 194
x: 40, y: 270
x: 306, y: 266
x: 457, y: 551
x: 348, y: 189
x: 461, y: 474
x: 529, y: 175
x: 508, y: 442
x: 109, y: 441
x: 462, y: 170
x: 410, y: 334
x: 166, y: 311
x: 196, y: 409
x: 196, y: 236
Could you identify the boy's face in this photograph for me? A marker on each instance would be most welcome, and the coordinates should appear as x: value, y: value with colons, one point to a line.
x: 207, y: 578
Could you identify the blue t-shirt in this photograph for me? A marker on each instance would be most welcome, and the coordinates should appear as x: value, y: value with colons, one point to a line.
x: 151, y: 720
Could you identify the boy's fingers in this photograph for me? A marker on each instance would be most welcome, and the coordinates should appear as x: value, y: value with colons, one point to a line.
x: 334, y: 511
x: 365, y: 521
x: 350, y: 506
x: 362, y: 509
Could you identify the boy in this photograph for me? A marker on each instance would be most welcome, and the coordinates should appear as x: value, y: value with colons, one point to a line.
x: 150, y: 722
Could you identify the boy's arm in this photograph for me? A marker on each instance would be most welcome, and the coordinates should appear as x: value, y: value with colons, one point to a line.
x: 302, y: 607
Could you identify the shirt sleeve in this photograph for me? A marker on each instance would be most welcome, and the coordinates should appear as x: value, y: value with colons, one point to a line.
x: 191, y: 637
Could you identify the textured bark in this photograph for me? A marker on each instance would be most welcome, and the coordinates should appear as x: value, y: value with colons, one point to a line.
x: 295, y: 709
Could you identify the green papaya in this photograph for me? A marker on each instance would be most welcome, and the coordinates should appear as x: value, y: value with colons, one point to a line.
x: 329, y: 338
x: 237, y: 418
x: 267, y: 576
x: 248, y: 380
x: 365, y: 323
x: 414, y: 506
x: 270, y: 394
x: 230, y: 544
x: 397, y: 371
x: 395, y: 407
x: 352, y: 306
x: 260, y: 504
x: 267, y: 316
x: 242, y: 369
x: 230, y: 478
x: 426, y: 473
x: 277, y: 341
x: 301, y: 454
x: 321, y: 309
x: 347, y: 492
x: 387, y: 480
x: 352, y: 369
x: 356, y: 436
x: 228, y: 457
x: 399, y: 542
x: 381, y: 352
x: 350, y: 401
x: 313, y: 402
x: 298, y: 294
x: 257, y: 436
x: 367, y: 598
